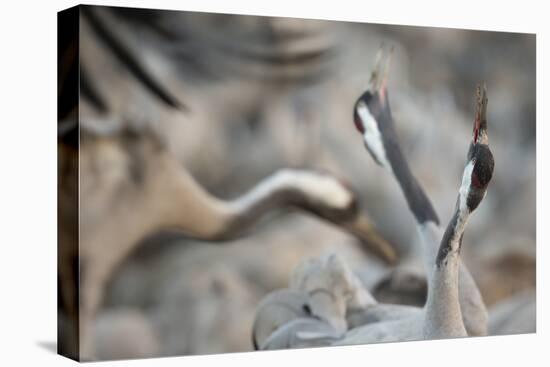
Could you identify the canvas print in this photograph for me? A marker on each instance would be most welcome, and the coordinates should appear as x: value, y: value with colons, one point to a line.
x: 231, y: 183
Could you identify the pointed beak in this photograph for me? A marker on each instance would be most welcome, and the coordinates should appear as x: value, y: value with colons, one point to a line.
x: 371, y: 239
x: 379, y: 76
x: 480, y: 121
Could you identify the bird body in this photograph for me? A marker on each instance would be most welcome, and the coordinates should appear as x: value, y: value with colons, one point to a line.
x: 400, y: 329
x: 380, y: 312
x: 312, y: 312
x: 275, y: 310
x: 301, y: 333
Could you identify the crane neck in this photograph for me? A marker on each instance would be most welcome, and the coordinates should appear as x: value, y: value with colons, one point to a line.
x: 316, y: 193
x: 417, y: 200
x: 443, y: 310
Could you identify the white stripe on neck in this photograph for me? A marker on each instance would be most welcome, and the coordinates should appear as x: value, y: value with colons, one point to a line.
x: 465, y: 186
x: 372, y: 135
x: 322, y: 188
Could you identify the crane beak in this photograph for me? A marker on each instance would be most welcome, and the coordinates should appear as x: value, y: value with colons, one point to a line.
x: 371, y: 240
x: 379, y: 76
x: 480, y: 121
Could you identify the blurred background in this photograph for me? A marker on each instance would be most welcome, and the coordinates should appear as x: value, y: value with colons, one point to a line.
x: 234, y: 98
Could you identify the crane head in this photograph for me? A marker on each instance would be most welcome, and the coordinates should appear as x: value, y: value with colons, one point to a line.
x: 371, y: 115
